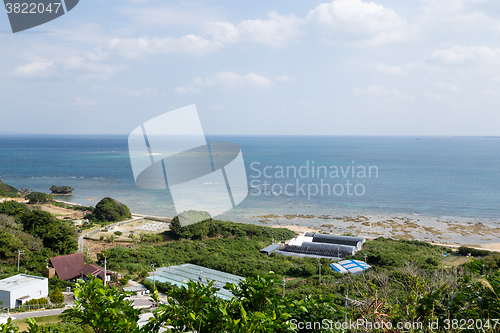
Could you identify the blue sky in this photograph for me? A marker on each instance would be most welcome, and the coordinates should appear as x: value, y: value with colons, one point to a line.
x: 347, y: 67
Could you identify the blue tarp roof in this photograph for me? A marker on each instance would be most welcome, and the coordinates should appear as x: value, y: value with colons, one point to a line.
x: 351, y: 266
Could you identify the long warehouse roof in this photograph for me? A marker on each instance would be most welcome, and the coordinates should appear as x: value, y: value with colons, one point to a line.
x: 181, y: 274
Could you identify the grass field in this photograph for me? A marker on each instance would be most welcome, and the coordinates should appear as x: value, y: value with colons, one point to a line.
x: 23, y: 323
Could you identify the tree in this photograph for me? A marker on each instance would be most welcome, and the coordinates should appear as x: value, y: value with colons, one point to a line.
x: 110, y: 210
x: 55, y: 234
x: 57, y: 297
x: 102, y: 308
x: 257, y: 307
x: 39, y: 197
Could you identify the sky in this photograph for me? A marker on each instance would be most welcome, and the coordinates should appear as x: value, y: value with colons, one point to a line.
x: 295, y: 67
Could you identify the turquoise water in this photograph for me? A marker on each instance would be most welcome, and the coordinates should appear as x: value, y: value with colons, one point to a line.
x: 433, y: 176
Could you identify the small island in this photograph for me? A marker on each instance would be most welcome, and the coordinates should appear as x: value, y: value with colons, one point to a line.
x: 61, y: 190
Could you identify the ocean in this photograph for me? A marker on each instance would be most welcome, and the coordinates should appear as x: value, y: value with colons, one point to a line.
x: 443, y: 177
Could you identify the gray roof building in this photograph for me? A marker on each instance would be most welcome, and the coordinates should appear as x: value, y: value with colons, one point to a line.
x: 18, y: 289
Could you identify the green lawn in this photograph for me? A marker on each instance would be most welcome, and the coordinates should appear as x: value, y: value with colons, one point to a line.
x: 23, y: 323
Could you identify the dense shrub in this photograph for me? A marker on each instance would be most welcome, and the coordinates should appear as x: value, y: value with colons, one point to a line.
x: 215, y: 228
x: 110, y: 210
x: 464, y: 250
x: 37, y: 301
x: 55, y: 282
x: 39, y: 197
x: 56, y: 297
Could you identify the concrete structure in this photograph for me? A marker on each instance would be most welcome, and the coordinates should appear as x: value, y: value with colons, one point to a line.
x: 18, y: 289
x: 138, y: 289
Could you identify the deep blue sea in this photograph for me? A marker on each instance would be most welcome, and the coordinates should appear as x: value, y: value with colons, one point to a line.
x: 453, y: 177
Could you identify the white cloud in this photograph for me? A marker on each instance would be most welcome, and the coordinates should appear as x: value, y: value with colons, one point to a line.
x: 390, y: 95
x: 277, y: 31
x: 393, y: 70
x: 458, y: 18
x: 461, y: 54
x: 230, y: 80
x: 138, y: 47
x: 306, y: 103
x: 168, y: 14
x: 119, y: 90
x: 82, y: 102
x: 446, y: 86
x: 284, y: 78
x: 33, y: 69
x: 355, y: 20
x: 187, y: 90
x: 223, y: 32
x: 432, y: 95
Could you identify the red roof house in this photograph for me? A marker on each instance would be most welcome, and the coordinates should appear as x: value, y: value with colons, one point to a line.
x: 68, y: 267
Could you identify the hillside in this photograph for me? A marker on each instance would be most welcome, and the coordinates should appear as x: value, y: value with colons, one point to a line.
x: 8, y: 191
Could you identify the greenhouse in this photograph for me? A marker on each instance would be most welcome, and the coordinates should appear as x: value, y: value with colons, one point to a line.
x: 181, y: 274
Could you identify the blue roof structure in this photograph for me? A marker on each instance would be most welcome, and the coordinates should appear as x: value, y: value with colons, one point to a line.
x: 351, y: 266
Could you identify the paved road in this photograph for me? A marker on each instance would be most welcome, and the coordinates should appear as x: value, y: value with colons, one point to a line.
x: 34, y: 314
x: 142, y: 302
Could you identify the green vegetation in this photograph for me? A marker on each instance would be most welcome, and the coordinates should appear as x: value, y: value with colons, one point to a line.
x: 190, y: 217
x: 57, y: 297
x: 391, y: 253
x: 39, y: 197
x: 110, y: 210
x: 104, y: 310
x: 45, y: 324
x: 73, y: 207
x: 37, y: 233
x: 463, y: 250
x: 8, y: 191
x: 37, y: 301
x: 405, y: 283
x: 214, y: 228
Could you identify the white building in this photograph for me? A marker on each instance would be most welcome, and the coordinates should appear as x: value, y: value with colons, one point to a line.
x: 18, y: 289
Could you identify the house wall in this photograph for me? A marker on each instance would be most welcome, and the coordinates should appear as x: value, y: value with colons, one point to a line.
x: 36, y: 289
x: 5, y: 298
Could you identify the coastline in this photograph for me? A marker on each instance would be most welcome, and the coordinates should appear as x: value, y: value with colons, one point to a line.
x: 434, y: 230
x: 447, y: 232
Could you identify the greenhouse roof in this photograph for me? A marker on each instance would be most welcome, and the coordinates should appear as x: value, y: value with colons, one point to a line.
x: 181, y: 274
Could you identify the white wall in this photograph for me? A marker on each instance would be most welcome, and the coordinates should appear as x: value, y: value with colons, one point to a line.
x: 36, y: 289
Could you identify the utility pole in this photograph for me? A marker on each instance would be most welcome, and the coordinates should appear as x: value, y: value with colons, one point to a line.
x: 442, y: 255
x: 154, y: 281
x: 345, y: 306
x: 319, y: 265
x: 365, y: 255
x: 19, y: 252
x: 284, y: 283
x: 105, y: 277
